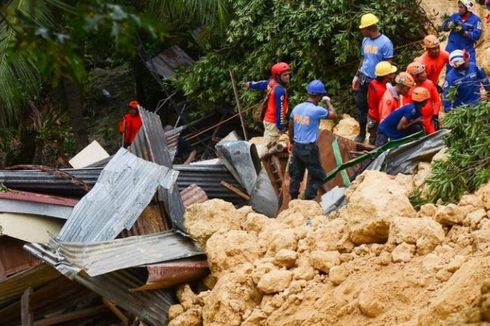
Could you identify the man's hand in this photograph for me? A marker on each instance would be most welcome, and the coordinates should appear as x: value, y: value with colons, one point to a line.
x: 290, y: 147
x: 246, y: 85
x: 355, y: 83
x: 435, y: 120
x: 326, y: 99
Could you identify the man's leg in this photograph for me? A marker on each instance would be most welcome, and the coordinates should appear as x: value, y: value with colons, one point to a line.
x: 381, y: 139
x: 316, y: 173
x: 271, y: 133
x: 296, y: 172
x: 373, y: 130
x: 362, y: 110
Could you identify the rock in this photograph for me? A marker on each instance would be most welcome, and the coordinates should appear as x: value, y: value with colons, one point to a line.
x: 230, y: 249
x: 449, y: 215
x: 347, y: 127
x: 275, y: 281
x: 254, y: 222
x: 262, y: 267
x: 484, y: 194
x: 324, y: 260
x: 427, y: 210
x: 174, y: 311
x: 234, y: 294
x: 304, y: 271
x: 191, y: 317
x: 403, y: 253
x: 209, y: 281
x: 186, y: 296
x: 369, y: 304
x: 299, y: 211
x: 385, y: 258
x: 432, y: 263
x: 285, y: 258
x: 338, y: 274
x: 485, y: 288
x: 455, y: 264
x: 256, y: 318
x: 424, y: 170
x: 424, y: 232
x: 471, y: 200
x: 327, y: 237
x: 485, y: 308
x: 442, y: 155
x: 475, y: 217
x: 276, y: 238
x: 204, y: 219
x: 369, y: 213
x: 481, y: 239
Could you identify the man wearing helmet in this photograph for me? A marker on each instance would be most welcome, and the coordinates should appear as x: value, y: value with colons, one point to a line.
x: 303, y: 134
x: 433, y: 58
x: 393, y: 97
x: 275, y: 112
x: 130, y: 124
x: 404, y: 121
x: 465, y: 29
x: 466, y: 78
x: 375, y: 48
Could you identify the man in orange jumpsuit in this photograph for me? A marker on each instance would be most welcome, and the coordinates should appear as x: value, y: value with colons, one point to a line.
x: 395, y: 96
x: 430, y: 111
x: 130, y: 124
x: 433, y: 58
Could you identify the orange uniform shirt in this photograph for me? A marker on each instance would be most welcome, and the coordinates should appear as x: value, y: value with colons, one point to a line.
x: 390, y: 103
x: 434, y: 66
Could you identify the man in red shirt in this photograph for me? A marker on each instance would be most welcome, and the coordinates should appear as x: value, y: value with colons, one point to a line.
x: 433, y: 58
x: 395, y: 96
x: 130, y: 124
x: 430, y: 111
x: 384, y: 73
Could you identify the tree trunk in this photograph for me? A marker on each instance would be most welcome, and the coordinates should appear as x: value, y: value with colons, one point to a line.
x: 74, y: 101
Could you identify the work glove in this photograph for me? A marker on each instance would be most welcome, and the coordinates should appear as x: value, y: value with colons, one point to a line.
x: 435, y: 120
x: 455, y: 26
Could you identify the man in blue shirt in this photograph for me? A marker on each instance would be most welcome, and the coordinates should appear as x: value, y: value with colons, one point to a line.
x: 465, y: 27
x: 465, y: 78
x: 375, y: 48
x: 303, y: 133
x: 404, y: 121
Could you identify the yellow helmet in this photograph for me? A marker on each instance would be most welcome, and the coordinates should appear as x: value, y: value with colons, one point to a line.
x: 368, y: 20
x: 385, y: 68
x: 420, y: 94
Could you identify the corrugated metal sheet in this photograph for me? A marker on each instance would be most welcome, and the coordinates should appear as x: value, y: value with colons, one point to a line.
x: 168, y: 61
x: 125, y: 187
x: 172, y: 137
x: 13, y: 258
x: 193, y: 195
x: 108, y: 256
x: 150, y: 144
x: 38, y: 198
x: 150, y: 221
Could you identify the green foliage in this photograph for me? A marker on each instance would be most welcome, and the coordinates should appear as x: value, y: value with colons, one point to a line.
x: 468, y: 165
x: 3, y: 188
x: 320, y: 38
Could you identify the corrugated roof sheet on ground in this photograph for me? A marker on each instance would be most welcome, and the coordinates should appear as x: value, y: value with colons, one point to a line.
x: 125, y: 187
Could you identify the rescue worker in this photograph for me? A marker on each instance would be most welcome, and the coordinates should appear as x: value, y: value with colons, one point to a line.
x: 384, y: 74
x: 465, y: 29
x: 430, y: 112
x: 466, y: 78
x: 434, y: 59
x: 130, y: 124
x: 395, y: 96
x: 404, y: 121
x: 375, y: 48
x: 303, y: 134
x: 275, y: 115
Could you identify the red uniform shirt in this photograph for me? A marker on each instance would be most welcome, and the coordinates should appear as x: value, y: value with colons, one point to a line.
x: 277, y: 105
x: 130, y: 125
x: 432, y: 107
x: 376, y: 90
x: 390, y: 103
x: 434, y: 66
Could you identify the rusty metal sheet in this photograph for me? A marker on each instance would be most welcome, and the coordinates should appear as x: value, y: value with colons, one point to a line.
x: 168, y: 61
x: 38, y: 198
x: 150, y: 221
x: 193, y: 195
x: 169, y: 274
x: 13, y: 259
x: 38, y: 204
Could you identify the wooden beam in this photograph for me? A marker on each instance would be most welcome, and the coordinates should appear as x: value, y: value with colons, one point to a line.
x: 235, y: 190
x: 26, y: 316
x: 85, y: 313
x: 116, y: 311
x: 239, y: 106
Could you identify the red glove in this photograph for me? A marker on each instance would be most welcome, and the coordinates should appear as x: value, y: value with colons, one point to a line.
x: 488, y: 19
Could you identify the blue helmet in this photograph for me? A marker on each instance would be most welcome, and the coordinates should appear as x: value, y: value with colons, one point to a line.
x: 316, y: 87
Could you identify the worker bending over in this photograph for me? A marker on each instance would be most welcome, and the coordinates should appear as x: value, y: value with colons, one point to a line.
x: 395, y: 96
x: 404, y: 121
x: 303, y: 134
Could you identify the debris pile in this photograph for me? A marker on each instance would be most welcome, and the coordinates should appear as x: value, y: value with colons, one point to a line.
x: 376, y: 261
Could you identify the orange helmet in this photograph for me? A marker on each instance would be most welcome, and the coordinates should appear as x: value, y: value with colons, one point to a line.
x: 420, y: 94
x: 416, y: 68
x: 279, y: 68
x: 431, y: 41
x: 405, y: 79
x: 134, y: 104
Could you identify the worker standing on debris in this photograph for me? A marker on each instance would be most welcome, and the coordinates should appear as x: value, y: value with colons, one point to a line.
x: 130, y: 124
x: 303, y: 135
x: 465, y: 29
x: 385, y: 73
x: 275, y: 110
x: 375, y: 48
x: 434, y: 59
x: 395, y: 96
x: 463, y: 83
x: 430, y: 112
x: 404, y: 121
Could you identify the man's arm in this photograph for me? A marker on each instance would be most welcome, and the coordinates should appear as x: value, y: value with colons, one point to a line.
x: 258, y: 86
x: 281, y: 108
x: 473, y: 31
x: 405, y: 123
x: 482, y: 76
x: 331, y: 111
x: 291, y: 130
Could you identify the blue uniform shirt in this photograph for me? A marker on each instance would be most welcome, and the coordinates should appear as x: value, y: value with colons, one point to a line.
x: 467, y: 84
x: 457, y: 40
x: 373, y: 51
x: 389, y: 125
x: 306, y: 117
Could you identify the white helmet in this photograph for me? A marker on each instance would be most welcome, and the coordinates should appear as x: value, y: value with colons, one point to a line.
x: 468, y: 4
x: 458, y: 58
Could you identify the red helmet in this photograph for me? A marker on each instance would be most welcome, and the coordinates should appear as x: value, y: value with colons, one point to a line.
x: 280, y: 68
x: 133, y: 104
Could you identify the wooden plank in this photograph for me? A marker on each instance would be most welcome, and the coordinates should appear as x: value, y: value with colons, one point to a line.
x: 235, y: 190
x: 80, y: 314
x: 239, y: 106
x: 116, y: 311
x: 25, y: 310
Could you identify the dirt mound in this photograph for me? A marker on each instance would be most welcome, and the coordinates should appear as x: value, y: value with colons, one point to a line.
x: 347, y: 127
x: 375, y: 262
